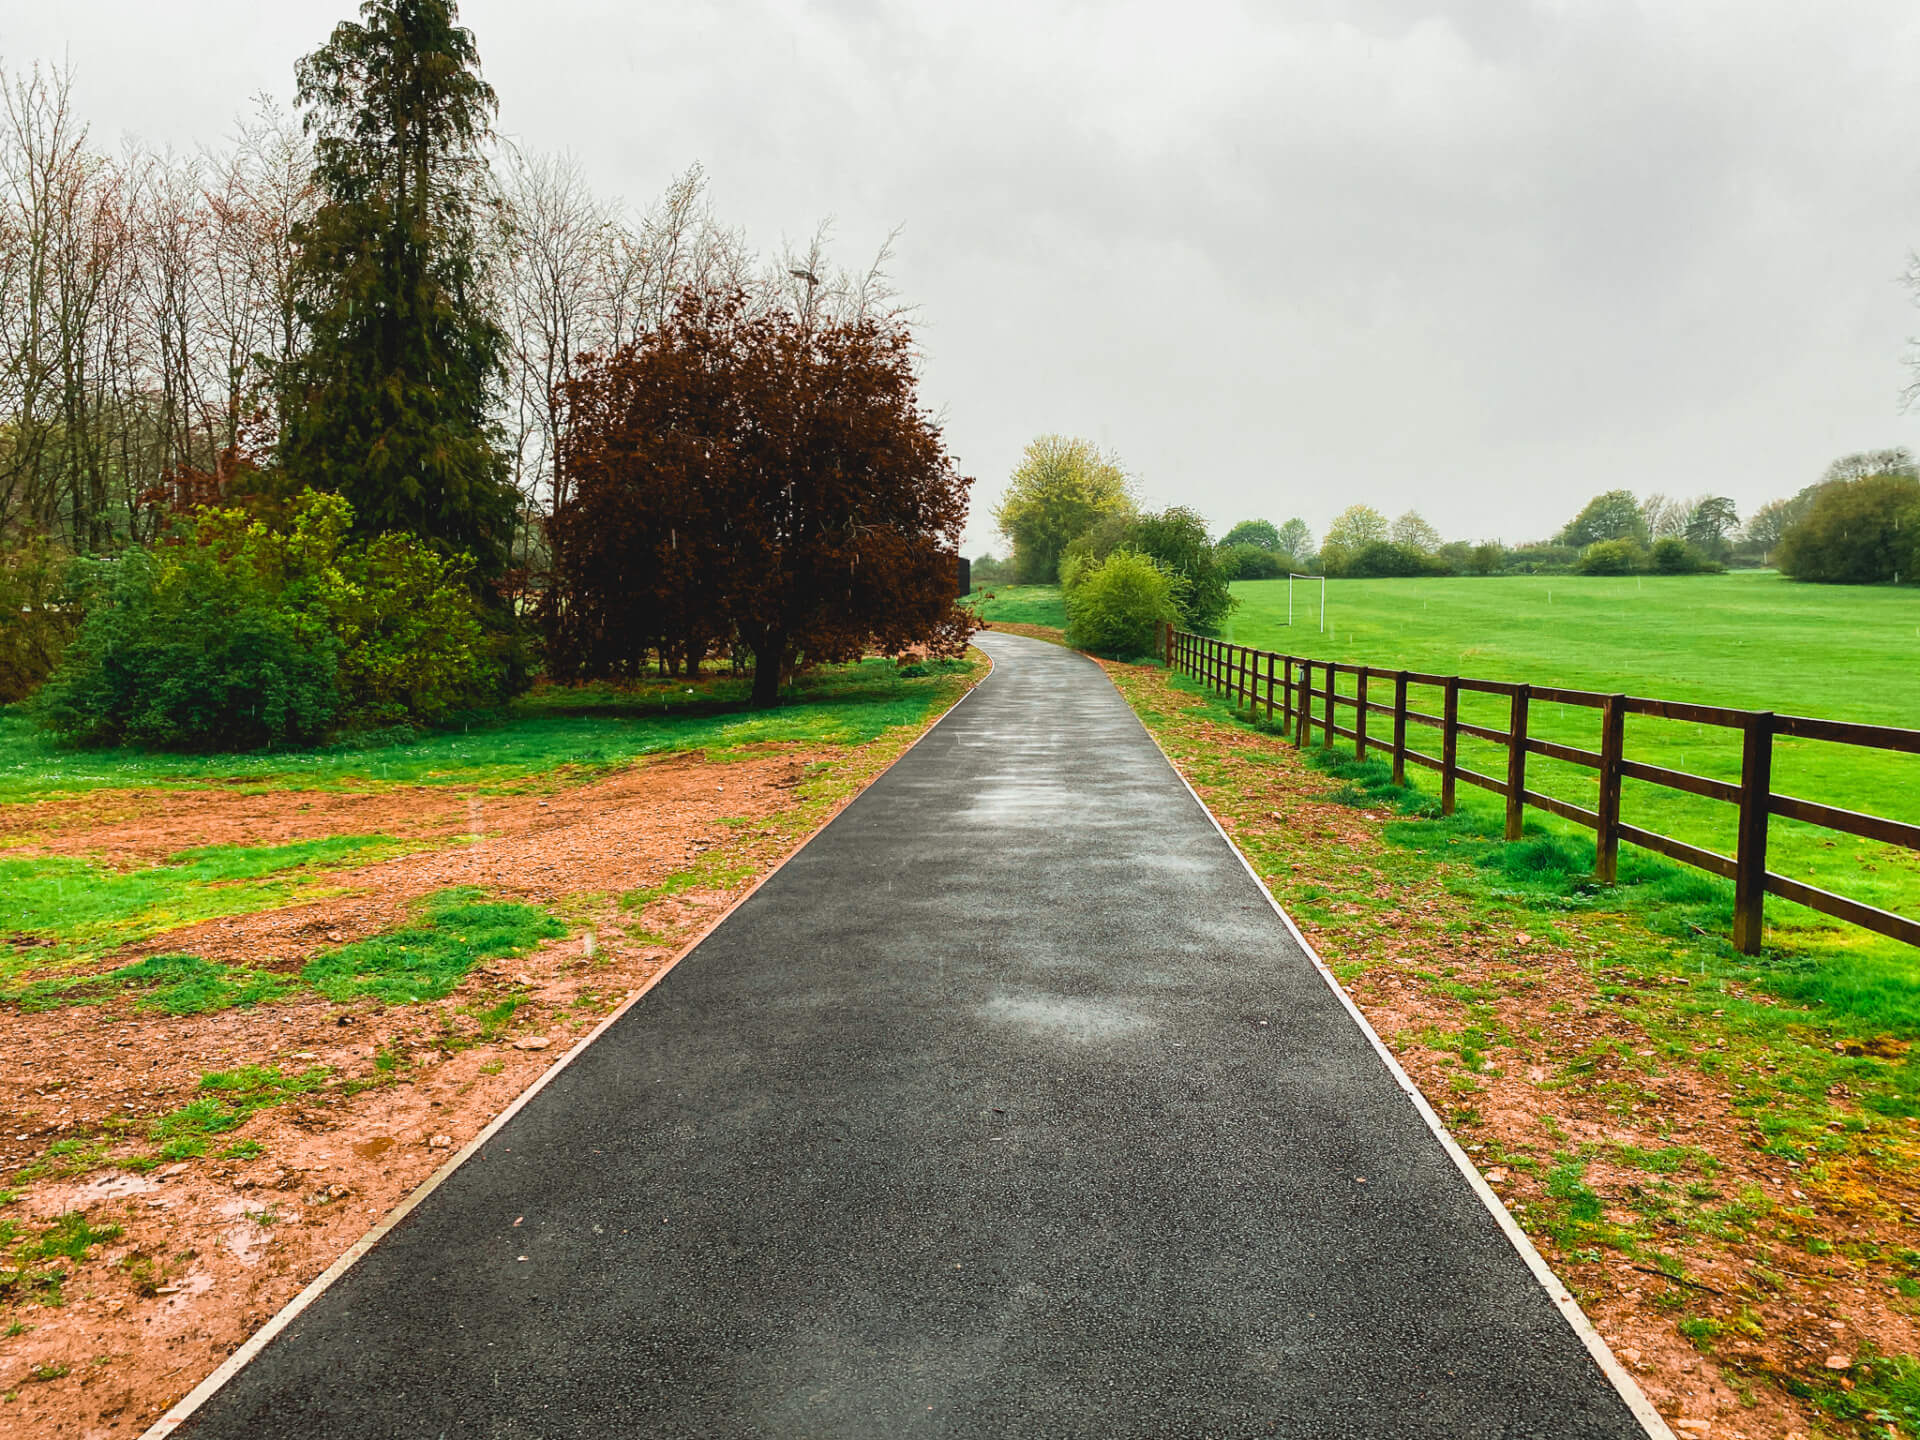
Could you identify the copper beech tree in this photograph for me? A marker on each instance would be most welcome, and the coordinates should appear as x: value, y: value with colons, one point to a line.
x: 753, y: 480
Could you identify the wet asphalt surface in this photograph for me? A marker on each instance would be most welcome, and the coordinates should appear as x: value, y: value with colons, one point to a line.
x: 1007, y: 1108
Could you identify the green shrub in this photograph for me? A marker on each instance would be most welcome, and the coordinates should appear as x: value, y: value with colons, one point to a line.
x: 1251, y: 562
x: 1673, y: 556
x: 37, y: 616
x: 1176, y: 538
x: 1857, y: 532
x: 1611, y: 557
x: 1116, y: 606
x: 1383, y: 559
x: 236, y: 634
x: 179, y: 651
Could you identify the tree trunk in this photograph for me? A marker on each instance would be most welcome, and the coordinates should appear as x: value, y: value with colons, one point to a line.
x: 766, y: 674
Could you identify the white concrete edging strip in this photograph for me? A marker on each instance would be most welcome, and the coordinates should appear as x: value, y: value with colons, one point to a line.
x: 1562, y: 1298
x: 288, y: 1313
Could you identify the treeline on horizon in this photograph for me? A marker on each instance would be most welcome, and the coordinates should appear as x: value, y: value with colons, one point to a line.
x: 1858, y: 524
x: 366, y: 418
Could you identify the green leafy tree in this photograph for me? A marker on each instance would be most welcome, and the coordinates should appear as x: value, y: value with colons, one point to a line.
x: 1259, y: 533
x: 1062, y: 487
x: 390, y: 403
x: 1296, y: 540
x: 1251, y: 562
x: 1710, y: 520
x: 1352, y: 530
x: 1612, y: 516
x: 1858, y: 532
x: 1764, y: 529
x: 1414, y: 532
x: 1116, y: 606
x: 1177, y: 539
x: 1612, y: 557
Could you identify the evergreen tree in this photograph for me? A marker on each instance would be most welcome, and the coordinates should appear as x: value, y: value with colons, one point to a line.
x: 389, y: 405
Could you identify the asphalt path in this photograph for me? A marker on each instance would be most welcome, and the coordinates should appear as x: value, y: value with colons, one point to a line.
x: 1009, y: 1107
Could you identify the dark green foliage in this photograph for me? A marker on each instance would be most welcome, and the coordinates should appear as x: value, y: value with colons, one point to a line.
x: 36, y: 618
x: 456, y: 929
x: 1612, y: 516
x: 1116, y: 606
x: 390, y: 404
x: 236, y: 635
x: 1382, y: 559
x: 1858, y: 532
x: 181, y: 652
x: 1673, y: 556
x: 1261, y: 534
x: 1611, y: 557
x: 1544, y: 559
x: 1251, y: 562
x: 1176, y: 538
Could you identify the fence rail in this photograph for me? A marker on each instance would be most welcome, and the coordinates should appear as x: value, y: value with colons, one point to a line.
x: 1284, y: 686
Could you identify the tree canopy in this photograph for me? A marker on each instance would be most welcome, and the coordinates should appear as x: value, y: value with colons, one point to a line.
x: 1861, y: 531
x: 1614, y: 515
x: 1176, y: 538
x: 762, y: 480
x: 1060, y: 490
x: 1352, y: 530
x: 390, y: 405
x: 1260, y: 534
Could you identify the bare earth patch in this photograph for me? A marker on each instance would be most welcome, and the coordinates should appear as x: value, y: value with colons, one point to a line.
x: 200, y: 1252
x: 1518, y: 1045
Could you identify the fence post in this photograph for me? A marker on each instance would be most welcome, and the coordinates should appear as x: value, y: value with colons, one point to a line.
x: 1449, y: 742
x: 1246, y: 676
x: 1517, y: 760
x: 1270, y: 659
x: 1360, y: 715
x: 1305, y: 707
x: 1400, y: 728
x: 1750, y: 861
x: 1606, y: 834
x: 1169, y: 645
x: 1326, y: 737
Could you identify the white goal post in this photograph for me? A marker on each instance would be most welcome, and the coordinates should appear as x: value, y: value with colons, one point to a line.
x: 1291, y: 577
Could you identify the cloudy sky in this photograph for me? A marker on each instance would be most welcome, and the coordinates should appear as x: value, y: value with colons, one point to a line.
x: 1478, y: 257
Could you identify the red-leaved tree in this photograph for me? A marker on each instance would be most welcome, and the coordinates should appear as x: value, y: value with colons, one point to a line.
x: 759, y: 480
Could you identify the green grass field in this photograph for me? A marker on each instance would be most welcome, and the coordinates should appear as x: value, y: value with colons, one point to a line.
x: 1748, y: 641
x: 1021, y: 605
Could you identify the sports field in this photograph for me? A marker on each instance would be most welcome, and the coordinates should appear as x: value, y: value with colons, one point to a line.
x: 1751, y: 641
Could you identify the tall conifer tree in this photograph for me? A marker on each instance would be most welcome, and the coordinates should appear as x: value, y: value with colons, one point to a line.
x: 390, y: 405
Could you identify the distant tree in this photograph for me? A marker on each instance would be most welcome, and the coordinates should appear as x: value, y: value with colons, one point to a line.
x: 1258, y: 533
x: 1250, y: 562
x: 1486, y: 558
x: 1352, y: 530
x: 1176, y: 539
x: 988, y: 571
x: 1614, y: 515
x: 1623, y: 556
x: 391, y: 403
x: 1381, y: 559
x: 1765, y: 527
x: 1413, y: 531
x: 1662, y: 515
x: 1060, y: 490
x: 1296, y: 539
x: 765, y: 480
x: 1710, y: 521
x: 1861, y: 532
x: 1897, y: 460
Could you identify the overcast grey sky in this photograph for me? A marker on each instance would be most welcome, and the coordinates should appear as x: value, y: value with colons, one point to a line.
x: 1478, y: 257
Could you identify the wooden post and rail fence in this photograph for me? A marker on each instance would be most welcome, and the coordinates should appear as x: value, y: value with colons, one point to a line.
x: 1284, y: 686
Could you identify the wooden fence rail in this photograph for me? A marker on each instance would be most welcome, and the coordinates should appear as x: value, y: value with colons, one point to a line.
x: 1283, y: 686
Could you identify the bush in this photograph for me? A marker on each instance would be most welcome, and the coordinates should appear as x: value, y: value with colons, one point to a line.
x: 1544, y: 559
x: 1251, y: 562
x: 1856, y: 532
x: 1674, y: 556
x: 1116, y: 606
x: 1176, y: 538
x: 1611, y: 557
x: 37, y: 614
x: 236, y: 634
x: 1382, y: 559
x: 181, y: 652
